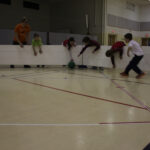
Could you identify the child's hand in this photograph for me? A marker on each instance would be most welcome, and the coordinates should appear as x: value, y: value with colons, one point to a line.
x: 128, y: 52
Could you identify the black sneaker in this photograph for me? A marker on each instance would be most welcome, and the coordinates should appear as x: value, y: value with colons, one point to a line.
x: 94, y: 68
x: 12, y: 66
x: 27, y: 66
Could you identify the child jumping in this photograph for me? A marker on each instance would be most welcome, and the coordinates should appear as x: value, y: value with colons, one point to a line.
x: 116, y: 48
x: 89, y: 43
x: 135, y: 48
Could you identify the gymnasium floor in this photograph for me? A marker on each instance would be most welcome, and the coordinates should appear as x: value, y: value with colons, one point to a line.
x: 61, y: 109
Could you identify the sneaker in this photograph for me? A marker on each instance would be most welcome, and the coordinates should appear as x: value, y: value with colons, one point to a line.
x: 27, y: 66
x: 94, y: 68
x: 124, y: 74
x: 12, y: 66
x: 140, y: 75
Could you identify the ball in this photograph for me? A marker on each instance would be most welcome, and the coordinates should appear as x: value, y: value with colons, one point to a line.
x: 71, y: 65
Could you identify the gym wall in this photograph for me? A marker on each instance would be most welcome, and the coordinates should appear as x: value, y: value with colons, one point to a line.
x: 10, y: 15
x: 69, y: 16
x: 120, y: 20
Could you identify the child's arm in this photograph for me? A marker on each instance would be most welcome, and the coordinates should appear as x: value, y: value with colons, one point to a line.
x: 97, y: 48
x: 128, y: 52
x: 35, y: 53
x: 82, y: 51
x: 17, y: 37
x: 33, y: 47
x: 17, y: 30
x: 40, y: 46
x: 113, y: 61
x: 69, y: 47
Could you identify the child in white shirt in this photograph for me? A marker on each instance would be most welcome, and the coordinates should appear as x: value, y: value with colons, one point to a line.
x: 135, y: 48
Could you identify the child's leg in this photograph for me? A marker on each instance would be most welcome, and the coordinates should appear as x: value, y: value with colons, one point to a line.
x: 133, y: 65
x: 147, y: 147
x: 121, y: 53
x: 136, y: 68
x: 34, y: 50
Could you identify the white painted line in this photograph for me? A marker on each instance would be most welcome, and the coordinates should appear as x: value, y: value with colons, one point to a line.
x: 74, y: 125
x: 49, y: 125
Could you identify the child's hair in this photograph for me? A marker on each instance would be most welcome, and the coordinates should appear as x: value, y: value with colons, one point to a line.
x: 86, y: 40
x: 71, y: 39
x: 36, y: 35
x: 129, y: 36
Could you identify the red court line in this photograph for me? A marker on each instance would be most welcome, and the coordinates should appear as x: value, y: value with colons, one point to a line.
x: 128, y: 93
x: 48, y: 72
x: 131, y: 95
x: 80, y: 94
x: 122, y: 123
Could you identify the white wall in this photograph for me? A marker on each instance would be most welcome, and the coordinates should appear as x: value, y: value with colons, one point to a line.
x: 58, y: 55
x: 11, y: 15
x: 52, y: 55
x: 118, y: 8
x: 145, y: 13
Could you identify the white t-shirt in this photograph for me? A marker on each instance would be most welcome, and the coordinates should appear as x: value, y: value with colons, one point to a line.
x: 136, y: 48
